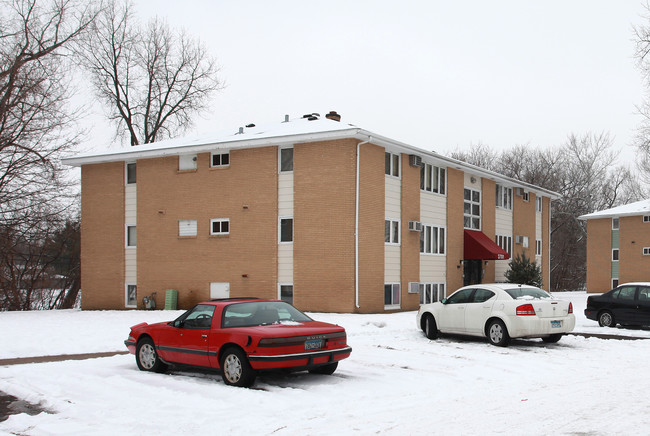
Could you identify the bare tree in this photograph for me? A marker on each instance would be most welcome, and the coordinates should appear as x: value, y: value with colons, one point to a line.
x: 642, y: 56
x: 151, y: 80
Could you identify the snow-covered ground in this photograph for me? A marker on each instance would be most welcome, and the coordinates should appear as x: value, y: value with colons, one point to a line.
x: 395, y: 382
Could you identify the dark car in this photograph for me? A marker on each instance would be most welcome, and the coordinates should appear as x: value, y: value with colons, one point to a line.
x: 628, y: 304
x: 240, y: 337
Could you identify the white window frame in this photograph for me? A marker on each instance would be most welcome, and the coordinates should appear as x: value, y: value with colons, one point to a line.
x: 280, y: 285
x: 472, y: 203
x: 221, y: 221
x: 394, y: 230
x: 394, y: 164
x: 280, y: 219
x: 504, y: 197
x: 440, y: 240
x: 646, y: 218
x: 526, y: 196
x: 505, y: 242
x: 221, y: 154
x: 615, y: 282
x: 646, y: 251
x: 431, y: 292
x: 616, y: 223
x: 618, y: 254
x: 126, y: 235
x: 126, y: 173
x: 538, y: 247
x: 187, y: 224
x: 393, y: 304
x: 538, y: 203
x: 280, y: 170
x: 433, y: 179
x: 126, y: 295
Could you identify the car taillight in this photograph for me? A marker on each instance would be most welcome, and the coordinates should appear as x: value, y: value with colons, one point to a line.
x: 526, y: 309
x: 570, y: 307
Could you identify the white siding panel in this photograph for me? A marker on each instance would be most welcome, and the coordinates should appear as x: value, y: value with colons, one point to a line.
x: 503, y: 226
x: 433, y: 209
x: 285, y: 194
x: 468, y: 182
x: 130, y: 204
x: 392, y: 264
x: 433, y: 268
x: 538, y: 225
x: 130, y: 270
x: 393, y: 198
x: 285, y: 263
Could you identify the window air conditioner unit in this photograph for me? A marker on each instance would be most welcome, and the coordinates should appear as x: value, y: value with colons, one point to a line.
x: 414, y: 287
x: 415, y: 226
x: 522, y: 240
x: 521, y: 192
x: 415, y: 160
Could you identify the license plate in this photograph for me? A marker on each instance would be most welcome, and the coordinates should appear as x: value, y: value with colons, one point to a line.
x: 556, y: 324
x: 313, y: 344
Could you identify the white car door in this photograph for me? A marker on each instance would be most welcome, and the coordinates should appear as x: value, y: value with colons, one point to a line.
x: 452, y: 312
x: 478, y: 311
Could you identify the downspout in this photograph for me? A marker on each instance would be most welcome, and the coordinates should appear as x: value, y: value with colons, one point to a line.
x: 356, y: 230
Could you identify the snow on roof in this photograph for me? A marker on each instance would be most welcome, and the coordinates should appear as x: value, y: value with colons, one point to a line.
x: 308, y: 128
x: 637, y: 208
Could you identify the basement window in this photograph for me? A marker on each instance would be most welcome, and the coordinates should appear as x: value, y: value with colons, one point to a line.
x: 220, y: 226
x: 220, y: 160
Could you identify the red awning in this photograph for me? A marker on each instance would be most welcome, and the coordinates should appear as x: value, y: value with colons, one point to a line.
x: 479, y: 246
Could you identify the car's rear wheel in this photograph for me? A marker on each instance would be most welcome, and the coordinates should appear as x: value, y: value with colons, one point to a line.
x: 235, y: 369
x: 429, y: 326
x: 606, y: 319
x: 551, y: 339
x: 147, y: 358
x: 325, y: 369
x: 497, y: 333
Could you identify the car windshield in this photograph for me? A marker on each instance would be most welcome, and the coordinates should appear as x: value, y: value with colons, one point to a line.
x: 256, y: 313
x: 528, y: 293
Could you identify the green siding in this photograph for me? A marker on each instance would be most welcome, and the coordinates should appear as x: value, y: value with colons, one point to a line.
x: 615, y: 270
x: 615, y: 239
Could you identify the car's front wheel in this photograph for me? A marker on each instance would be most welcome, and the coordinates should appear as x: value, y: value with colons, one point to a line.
x: 429, y: 326
x: 147, y: 358
x: 497, y: 333
x: 551, y: 339
x: 235, y: 369
x: 325, y: 369
x: 606, y: 319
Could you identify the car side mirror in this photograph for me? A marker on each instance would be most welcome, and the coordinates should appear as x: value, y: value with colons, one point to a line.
x: 178, y: 324
x: 443, y: 301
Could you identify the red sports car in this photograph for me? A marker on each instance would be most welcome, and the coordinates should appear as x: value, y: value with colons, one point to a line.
x: 240, y: 337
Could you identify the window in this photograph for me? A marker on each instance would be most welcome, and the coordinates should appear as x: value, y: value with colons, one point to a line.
x: 646, y: 218
x: 286, y: 293
x: 538, y: 203
x: 391, y: 231
x: 131, y: 236
x: 392, y: 164
x: 526, y: 196
x: 391, y: 294
x: 131, y: 295
x: 432, y: 179
x: 460, y: 297
x: 614, y: 223
x: 504, y: 197
x: 431, y: 292
x: 432, y: 240
x: 220, y: 226
x: 538, y: 247
x: 615, y: 254
x: 286, y: 229
x: 220, y: 160
x: 625, y: 293
x: 614, y: 283
x: 200, y: 317
x: 472, y: 209
x: 130, y: 173
x: 187, y: 227
x: 286, y: 160
x: 187, y: 162
x: 646, y: 251
x: 504, y: 242
x: 482, y: 295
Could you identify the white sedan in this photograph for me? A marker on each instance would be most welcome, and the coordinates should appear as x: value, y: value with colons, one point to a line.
x: 498, y: 312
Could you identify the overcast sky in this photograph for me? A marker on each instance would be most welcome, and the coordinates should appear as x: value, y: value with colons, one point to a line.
x: 439, y: 75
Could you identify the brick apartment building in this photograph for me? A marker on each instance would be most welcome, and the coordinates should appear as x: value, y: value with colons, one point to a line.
x: 318, y: 212
x: 618, y: 246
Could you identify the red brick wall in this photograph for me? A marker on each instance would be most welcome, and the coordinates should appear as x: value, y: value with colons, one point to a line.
x: 599, y: 255
x: 455, y: 228
x: 410, y: 244
x: 634, y: 235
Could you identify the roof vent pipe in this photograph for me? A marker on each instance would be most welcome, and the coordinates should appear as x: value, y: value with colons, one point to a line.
x: 333, y: 116
x: 286, y: 118
x: 241, y: 130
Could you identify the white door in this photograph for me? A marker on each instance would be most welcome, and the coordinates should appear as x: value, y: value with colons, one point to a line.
x: 219, y: 290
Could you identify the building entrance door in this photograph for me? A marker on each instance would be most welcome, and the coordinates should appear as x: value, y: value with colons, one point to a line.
x: 472, y: 271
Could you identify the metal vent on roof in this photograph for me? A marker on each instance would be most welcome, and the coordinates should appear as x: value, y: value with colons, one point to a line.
x: 250, y: 125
